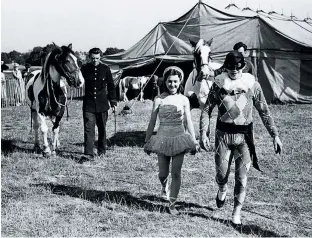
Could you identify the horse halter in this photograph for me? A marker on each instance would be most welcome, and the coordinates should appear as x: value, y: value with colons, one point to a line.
x: 65, y: 71
x: 198, y: 68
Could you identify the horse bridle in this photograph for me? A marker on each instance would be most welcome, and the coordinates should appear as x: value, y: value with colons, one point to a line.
x: 64, y: 71
x: 194, y: 79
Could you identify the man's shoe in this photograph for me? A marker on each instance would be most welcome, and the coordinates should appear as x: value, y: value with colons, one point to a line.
x: 87, y: 158
x: 101, y: 153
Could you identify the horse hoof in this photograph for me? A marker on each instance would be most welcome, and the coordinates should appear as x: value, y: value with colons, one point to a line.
x: 37, y: 149
x: 53, y: 153
x: 46, y: 153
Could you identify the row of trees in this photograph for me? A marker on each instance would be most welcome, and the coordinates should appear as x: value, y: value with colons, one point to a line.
x: 37, y: 55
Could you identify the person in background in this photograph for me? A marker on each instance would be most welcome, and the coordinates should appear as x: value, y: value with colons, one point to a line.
x: 249, y: 67
x: 26, y: 72
x: 100, y: 95
x: 20, y: 85
x: 235, y: 93
x: 3, y: 84
x: 172, y: 140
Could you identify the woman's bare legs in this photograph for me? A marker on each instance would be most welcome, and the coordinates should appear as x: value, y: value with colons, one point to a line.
x: 163, y: 164
x: 176, y: 167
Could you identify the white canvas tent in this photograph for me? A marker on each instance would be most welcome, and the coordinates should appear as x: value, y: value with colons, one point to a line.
x: 280, y: 47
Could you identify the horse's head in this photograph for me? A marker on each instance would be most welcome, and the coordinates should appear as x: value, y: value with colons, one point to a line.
x: 143, y: 80
x: 67, y: 65
x: 201, y: 58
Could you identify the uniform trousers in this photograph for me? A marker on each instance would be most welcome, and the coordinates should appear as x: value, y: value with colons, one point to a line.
x: 91, y: 119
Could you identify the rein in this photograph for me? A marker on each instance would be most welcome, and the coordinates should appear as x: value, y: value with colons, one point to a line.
x: 69, y: 75
x: 194, y: 79
x: 66, y: 73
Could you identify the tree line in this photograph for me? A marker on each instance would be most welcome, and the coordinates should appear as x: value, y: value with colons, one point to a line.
x: 36, y: 56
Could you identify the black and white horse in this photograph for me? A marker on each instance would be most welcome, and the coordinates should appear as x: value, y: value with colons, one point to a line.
x: 200, y: 79
x: 46, y: 93
x: 132, y: 83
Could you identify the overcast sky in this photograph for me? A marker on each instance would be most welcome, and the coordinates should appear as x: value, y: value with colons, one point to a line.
x: 106, y: 23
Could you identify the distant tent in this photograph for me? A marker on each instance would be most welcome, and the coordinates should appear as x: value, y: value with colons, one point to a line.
x: 280, y: 47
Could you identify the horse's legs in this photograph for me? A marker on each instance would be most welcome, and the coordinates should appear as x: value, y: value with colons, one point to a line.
x: 125, y: 95
x: 55, y: 130
x: 194, y: 103
x: 36, y: 130
x: 44, y: 130
x: 141, y: 96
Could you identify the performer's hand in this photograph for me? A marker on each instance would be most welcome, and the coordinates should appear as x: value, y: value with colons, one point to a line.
x: 197, y: 148
x: 204, y: 142
x: 277, y: 145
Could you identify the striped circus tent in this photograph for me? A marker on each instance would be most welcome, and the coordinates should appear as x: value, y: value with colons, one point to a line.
x: 279, y: 46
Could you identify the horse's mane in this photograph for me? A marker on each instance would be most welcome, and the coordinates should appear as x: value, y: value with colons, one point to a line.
x: 51, y: 58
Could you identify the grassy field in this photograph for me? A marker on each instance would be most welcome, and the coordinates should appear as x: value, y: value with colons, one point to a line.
x: 118, y: 194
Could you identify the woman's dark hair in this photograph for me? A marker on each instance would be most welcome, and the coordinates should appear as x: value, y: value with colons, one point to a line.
x: 172, y: 72
x: 95, y: 51
x: 239, y: 45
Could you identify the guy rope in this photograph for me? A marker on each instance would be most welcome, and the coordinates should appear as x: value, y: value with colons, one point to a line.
x: 177, y: 37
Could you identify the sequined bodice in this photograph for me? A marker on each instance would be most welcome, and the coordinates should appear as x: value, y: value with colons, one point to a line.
x: 169, y: 114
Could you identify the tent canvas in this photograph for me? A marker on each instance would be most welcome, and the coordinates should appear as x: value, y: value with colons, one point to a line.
x: 280, y: 47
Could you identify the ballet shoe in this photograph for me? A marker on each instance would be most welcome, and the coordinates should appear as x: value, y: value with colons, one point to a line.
x: 236, y: 220
x: 173, y: 210
x: 220, y: 203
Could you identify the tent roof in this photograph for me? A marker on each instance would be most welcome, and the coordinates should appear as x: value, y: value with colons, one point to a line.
x: 258, y: 30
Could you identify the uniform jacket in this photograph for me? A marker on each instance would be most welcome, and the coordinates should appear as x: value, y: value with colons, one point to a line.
x: 99, y: 88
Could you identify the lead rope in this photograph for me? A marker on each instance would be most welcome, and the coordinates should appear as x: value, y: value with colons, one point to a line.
x: 68, y: 102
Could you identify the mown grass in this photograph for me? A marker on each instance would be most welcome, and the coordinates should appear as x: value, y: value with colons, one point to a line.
x: 118, y: 194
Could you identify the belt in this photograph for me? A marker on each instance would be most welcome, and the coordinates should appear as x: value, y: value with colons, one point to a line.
x: 247, y: 130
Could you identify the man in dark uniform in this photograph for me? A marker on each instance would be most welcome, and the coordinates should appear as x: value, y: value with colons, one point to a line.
x: 99, y: 93
x: 249, y: 67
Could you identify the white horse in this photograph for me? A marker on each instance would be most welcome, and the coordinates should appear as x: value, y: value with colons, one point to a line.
x: 46, y: 93
x: 131, y: 83
x: 200, y: 80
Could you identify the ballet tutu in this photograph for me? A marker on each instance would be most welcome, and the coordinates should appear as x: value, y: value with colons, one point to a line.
x: 170, y: 140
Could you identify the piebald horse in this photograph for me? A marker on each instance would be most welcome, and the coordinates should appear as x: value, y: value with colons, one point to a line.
x: 199, y: 82
x: 46, y: 93
x: 131, y: 83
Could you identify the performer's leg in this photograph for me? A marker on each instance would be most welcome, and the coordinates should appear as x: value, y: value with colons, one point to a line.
x: 163, y: 164
x: 242, y: 165
x: 223, y: 161
x: 176, y: 167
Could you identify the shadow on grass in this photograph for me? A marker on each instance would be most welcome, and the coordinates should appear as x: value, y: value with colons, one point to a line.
x: 179, y: 204
x: 95, y: 196
x: 126, y: 199
x: 9, y: 146
x: 249, y: 229
x: 128, y: 138
x: 124, y: 138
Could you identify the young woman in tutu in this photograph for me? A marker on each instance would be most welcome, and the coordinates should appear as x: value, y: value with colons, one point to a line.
x: 175, y: 135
